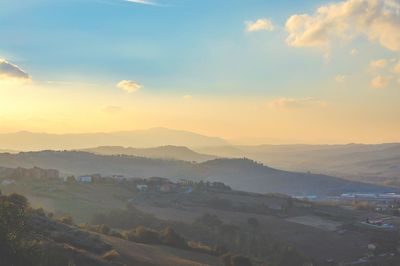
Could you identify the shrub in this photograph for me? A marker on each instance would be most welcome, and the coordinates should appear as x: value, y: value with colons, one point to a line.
x: 116, y: 234
x: 144, y: 235
x: 171, y: 238
x: 67, y: 220
x: 104, y: 229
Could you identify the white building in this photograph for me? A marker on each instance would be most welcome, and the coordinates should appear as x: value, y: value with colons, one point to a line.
x: 84, y: 179
x: 7, y: 182
x: 142, y: 187
x: 119, y: 178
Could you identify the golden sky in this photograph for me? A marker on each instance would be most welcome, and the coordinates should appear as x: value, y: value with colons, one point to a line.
x: 317, y: 73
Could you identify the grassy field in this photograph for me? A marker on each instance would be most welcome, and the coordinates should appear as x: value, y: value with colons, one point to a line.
x: 81, y: 201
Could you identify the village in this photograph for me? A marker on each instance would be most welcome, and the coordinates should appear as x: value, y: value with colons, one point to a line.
x: 11, y: 176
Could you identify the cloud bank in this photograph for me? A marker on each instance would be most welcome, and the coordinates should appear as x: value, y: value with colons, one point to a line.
x: 378, y: 20
x: 294, y: 103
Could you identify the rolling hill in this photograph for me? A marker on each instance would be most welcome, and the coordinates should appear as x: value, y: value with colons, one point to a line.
x: 367, y: 163
x: 163, y: 152
x: 241, y: 174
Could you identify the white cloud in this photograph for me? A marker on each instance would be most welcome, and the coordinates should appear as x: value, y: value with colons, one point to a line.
x: 142, y: 2
x: 129, y: 86
x: 11, y: 72
x: 292, y: 103
x: 340, y: 78
x: 259, y: 25
x: 381, y: 63
x: 380, y: 82
x: 378, y: 20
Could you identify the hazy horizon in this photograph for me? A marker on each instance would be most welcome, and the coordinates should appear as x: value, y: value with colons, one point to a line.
x: 229, y: 142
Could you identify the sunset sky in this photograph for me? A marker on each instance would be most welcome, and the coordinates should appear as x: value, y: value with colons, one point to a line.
x: 254, y: 71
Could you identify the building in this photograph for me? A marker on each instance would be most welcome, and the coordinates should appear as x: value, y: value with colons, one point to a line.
x: 7, y: 182
x: 84, y: 179
x: 119, y: 178
x: 142, y: 187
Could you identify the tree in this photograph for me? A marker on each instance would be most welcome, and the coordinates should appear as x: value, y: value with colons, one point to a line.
x: 15, y: 248
x: 67, y: 219
x: 172, y: 238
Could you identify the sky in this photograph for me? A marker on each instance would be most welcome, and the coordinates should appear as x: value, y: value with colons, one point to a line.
x: 252, y: 72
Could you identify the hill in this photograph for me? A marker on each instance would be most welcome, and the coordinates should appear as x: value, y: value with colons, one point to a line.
x: 240, y: 174
x: 32, y: 237
x: 164, y: 152
x: 28, y: 141
x: 368, y: 163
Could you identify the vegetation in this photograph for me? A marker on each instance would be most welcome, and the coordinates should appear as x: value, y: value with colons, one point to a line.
x: 16, y: 246
x: 230, y: 259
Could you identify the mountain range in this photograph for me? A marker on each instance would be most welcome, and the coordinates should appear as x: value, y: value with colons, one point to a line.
x: 29, y: 141
x: 375, y: 163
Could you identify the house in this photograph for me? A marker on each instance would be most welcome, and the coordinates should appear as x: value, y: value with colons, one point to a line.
x: 142, y: 187
x: 119, y: 178
x: 166, y: 187
x: 84, y: 179
x: 7, y: 182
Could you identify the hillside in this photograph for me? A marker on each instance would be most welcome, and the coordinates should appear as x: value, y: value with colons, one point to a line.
x: 164, y: 152
x: 241, y: 174
x: 27, y: 141
x: 261, y: 227
x: 361, y: 162
x: 49, y: 241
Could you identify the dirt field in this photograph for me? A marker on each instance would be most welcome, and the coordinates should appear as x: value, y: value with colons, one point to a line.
x: 315, y: 221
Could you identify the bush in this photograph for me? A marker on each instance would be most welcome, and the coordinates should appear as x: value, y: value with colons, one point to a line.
x: 67, y: 220
x: 144, y: 235
x: 116, y: 234
x: 239, y: 260
x: 104, y: 229
x: 171, y: 238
